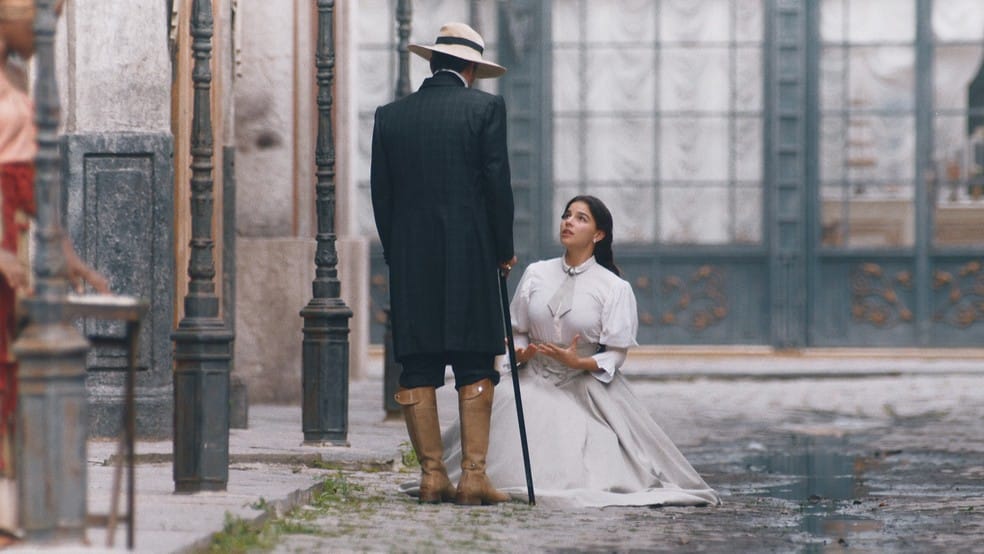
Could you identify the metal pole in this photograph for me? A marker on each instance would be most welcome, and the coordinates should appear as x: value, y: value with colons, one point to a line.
x: 202, y: 342
x: 51, y: 401
x: 391, y: 368
x: 325, y: 351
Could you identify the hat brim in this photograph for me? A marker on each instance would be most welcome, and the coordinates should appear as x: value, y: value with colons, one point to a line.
x: 484, y: 69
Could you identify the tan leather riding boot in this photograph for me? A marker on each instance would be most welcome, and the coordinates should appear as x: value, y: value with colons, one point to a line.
x: 475, y: 410
x: 424, y: 427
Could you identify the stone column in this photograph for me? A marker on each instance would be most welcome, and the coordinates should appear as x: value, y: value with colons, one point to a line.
x: 114, y: 63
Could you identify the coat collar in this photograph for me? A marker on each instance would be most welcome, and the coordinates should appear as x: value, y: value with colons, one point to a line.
x: 442, y: 79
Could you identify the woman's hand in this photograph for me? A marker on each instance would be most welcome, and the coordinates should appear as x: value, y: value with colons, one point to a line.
x: 80, y: 272
x: 568, y: 355
x: 13, y: 271
x: 524, y: 355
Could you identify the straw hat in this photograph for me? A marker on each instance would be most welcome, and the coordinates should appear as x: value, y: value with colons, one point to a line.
x: 461, y: 41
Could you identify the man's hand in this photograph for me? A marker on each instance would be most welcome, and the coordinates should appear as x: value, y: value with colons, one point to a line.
x: 506, y: 267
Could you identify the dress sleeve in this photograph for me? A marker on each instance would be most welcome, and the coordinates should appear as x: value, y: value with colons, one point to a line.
x: 620, y: 318
x: 519, y: 310
x: 619, y: 324
x: 608, y: 361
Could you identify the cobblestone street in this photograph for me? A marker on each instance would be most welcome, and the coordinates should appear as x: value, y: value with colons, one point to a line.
x: 877, y: 464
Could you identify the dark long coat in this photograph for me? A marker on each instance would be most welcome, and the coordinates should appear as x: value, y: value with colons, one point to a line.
x: 443, y: 204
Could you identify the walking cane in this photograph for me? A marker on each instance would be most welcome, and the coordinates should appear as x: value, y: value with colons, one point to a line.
x: 511, y: 347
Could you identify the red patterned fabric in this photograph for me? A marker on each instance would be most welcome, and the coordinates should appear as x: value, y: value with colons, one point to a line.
x: 17, y: 187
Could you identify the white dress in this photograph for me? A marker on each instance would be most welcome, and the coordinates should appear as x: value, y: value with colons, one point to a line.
x: 591, y: 441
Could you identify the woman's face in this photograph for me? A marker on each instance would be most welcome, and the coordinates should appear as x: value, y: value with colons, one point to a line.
x: 577, y: 227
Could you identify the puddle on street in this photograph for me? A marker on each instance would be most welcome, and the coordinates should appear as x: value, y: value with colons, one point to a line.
x: 822, y: 480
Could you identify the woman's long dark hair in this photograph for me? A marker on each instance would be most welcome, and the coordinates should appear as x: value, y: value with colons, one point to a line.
x: 603, y: 221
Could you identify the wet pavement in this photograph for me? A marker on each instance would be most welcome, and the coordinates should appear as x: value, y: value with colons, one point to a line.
x: 867, y: 464
x: 862, y: 460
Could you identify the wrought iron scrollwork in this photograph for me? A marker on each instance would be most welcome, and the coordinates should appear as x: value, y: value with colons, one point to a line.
x: 875, y: 297
x: 697, y: 302
x: 962, y: 304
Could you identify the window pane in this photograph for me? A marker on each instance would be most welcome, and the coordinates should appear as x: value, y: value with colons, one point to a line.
x: 567, y: 79
x: 880, y: 216
x: 632, y: 22
x: 882, y: 77
x: 695, y: 21
x: 833, y: 92
x: 748, y: 79
x: 620, y: 79
x: 747, y: 154
x: 694, y: 79
x: 567, y: 138
x: 870, y: 21
x: 832, y: 20
x: 694, y: 215
x: 694, y: 149
x: 958, y: 20
x: 620, y: 149
x: 748, y: 20
x: 955, y: 67
x: 833, y: 144
x: 565, y: 20
x: 632, y: 210
x: 748, y: 215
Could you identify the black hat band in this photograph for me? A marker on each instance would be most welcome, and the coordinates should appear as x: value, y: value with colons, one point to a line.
x: 462, y: 41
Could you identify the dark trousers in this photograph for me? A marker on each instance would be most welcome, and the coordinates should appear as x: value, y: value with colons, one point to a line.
x: 427, y: 370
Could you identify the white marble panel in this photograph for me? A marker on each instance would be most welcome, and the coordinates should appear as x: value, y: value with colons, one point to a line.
x: 118, y: 51
x: 694, y: 215
x: 632, y: 22
x: 695, y: 21
x: 958, y: 20
x: 694, y: 149
x: 620, y: 149
x: 621, y: 79
x: 694, y: 79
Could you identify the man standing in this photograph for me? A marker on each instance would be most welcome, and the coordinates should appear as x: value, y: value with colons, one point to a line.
x: 443, y: 204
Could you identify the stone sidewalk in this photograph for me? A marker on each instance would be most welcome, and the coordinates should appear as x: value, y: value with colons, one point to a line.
x: 874, y: 460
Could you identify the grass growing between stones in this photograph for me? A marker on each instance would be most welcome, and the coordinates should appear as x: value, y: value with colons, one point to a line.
x: 240, y: 535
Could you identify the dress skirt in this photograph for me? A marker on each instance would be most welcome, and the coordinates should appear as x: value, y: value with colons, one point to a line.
x: 591, y: 444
